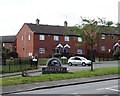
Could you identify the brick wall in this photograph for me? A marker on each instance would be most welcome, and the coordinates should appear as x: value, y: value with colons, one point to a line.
x: 49, y: 44
x: 24, y: 46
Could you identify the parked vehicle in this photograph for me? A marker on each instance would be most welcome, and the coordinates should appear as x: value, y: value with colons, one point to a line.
x: 78, y: 60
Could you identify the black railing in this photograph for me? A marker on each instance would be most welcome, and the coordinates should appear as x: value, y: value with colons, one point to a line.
x: 17, y: 64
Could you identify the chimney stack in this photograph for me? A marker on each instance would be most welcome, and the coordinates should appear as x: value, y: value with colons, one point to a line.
x: 37, y: 21
x: 65, y: 23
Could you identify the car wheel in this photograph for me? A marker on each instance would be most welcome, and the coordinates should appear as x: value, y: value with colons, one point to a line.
x: 83, y: 64
x: 70, y: 64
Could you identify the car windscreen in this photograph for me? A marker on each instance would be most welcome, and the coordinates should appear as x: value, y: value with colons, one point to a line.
x: 82, y: 58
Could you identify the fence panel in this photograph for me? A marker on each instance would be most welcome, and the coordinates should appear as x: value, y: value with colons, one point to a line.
x: 16, y: 65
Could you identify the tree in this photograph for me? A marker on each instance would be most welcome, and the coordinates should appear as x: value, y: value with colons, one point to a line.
x: 5, y: 54
x: 13, y: 54
x: 89, y: 30
x: 109, y: 23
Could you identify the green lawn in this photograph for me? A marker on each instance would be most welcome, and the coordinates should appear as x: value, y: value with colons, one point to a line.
x: 50, y: 77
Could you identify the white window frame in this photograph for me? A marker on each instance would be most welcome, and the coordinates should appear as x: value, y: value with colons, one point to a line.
x: 41, y: 50
x: 41, y: 37
x: 102, y: 36
x: 103, y: 48
x: 3, y: 44
x: 29, y: 36
x: 79, y: 39
x: 56, y: 38
x: 79, y: 51
x: 66, y: 38
x: 30, y: 54
x: 22, y: 38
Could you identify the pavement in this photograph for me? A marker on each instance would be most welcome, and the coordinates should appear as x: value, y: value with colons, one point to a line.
x: 19, y: 73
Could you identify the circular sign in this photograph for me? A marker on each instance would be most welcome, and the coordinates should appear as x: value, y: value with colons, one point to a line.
x: 54, y: 62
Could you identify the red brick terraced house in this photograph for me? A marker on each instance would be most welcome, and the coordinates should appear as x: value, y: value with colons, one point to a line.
x: 44, y: 40
x: 106, y: 41
x: 117, y: 45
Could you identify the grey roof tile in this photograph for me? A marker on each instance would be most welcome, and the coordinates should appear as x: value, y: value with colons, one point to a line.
x: 8, y: 39
x: 60, y: 30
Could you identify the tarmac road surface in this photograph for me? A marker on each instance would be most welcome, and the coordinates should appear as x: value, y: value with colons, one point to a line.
x: 103, y: 87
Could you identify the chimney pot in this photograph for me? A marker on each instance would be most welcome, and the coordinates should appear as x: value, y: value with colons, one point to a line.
x: 37, y: 21
x: 65, y: 23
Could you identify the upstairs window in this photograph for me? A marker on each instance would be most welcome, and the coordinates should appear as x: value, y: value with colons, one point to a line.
x: 103, y: 36
x: 66, y: 38
x: 22, y: 38
x: 29, y: 37
x: 56, y: 38
x: 79, y: 39
x: 41, y: 37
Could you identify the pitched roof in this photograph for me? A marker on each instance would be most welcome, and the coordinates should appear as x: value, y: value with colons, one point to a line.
x: 109, y: 30
x: 49, y: 29
x: 60, y: 30
x: 8, y: 39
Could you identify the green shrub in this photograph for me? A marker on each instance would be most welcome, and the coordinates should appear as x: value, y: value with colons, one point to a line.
x: 57, y: 55
x: 42, y: 61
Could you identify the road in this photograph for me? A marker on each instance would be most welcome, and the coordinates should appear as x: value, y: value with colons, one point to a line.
x: 104, y: 87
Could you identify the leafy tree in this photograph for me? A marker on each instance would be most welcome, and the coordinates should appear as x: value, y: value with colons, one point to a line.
x: 5, y: 54
x: 89, y: 30
x: 109, y: 23
x: 57, y: 55
x: 13, y: 54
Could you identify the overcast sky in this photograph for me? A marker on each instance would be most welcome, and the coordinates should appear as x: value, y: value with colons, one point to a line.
x: 14, y: 13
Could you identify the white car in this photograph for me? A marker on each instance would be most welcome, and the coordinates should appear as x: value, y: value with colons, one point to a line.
x: 77, y: 60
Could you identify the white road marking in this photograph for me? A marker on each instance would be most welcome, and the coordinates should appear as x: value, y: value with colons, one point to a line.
x: 110, y: 88
x: 113, y: 86
x: 113, y: 89
x: 100, y: 89
x: 74, y: 93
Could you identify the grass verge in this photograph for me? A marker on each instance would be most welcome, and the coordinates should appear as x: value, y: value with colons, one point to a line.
x: 50, y: 77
